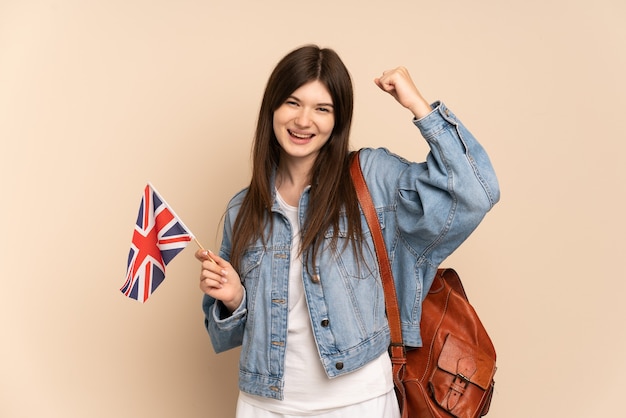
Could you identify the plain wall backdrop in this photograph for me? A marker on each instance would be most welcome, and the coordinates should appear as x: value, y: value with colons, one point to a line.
x: 99, y: 97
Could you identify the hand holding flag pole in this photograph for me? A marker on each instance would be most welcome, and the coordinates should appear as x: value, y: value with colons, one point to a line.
x: 205, y: 251
x: 158, y: 237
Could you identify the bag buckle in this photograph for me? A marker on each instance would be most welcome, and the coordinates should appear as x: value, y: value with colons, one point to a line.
x: 393, y: 349
x: 461, y: 379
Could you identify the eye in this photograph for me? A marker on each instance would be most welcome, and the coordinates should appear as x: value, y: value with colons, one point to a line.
x: 325, y: 109
x: 291, y: 103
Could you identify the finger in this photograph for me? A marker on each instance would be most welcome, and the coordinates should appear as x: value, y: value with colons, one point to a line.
x: 208, y: 285
x: 214, y: 277
x: 394, y: 75
x: 378, y: 83
x: 387, y: 81
x: 383, y: 84
x: 202, y: 255
x: 218, y: 260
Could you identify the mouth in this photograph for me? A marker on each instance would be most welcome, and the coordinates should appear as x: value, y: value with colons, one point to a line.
x: 300, y: 135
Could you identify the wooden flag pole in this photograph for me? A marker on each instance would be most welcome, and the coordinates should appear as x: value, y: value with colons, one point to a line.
x: 202, y: 248
x: 198, y: 243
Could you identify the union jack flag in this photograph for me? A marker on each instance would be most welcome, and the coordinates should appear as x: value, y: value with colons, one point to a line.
x: 159, y: 235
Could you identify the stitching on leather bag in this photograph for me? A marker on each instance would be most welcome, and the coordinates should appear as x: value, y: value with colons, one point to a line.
x: 432, y: 343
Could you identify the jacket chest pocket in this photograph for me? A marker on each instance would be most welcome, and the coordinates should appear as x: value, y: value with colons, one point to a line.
x: 353, y: 264
x: 250, y: 269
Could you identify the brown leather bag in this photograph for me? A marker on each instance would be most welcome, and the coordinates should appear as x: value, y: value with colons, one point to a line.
x: 451, y: 375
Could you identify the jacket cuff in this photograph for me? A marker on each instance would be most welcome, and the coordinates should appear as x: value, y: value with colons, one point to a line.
x: 223, y: 317
x: 439, y: 119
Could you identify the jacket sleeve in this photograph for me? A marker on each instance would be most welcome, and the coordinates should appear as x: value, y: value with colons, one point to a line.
x: 447, y: 196
x: 438, y: 202
x: 225, y: 329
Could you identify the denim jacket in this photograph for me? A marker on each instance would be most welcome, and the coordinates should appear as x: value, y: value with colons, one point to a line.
x: 426, y: 210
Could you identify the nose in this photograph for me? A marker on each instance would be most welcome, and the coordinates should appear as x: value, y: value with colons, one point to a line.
x: 303, y: 118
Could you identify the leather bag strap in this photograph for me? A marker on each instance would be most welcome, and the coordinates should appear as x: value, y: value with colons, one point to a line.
x: 397, y: 349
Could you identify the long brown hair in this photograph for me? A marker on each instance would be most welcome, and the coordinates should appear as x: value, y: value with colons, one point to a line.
x: 331, y: 190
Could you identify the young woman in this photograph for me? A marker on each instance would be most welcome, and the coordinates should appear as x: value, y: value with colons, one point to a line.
x: 296, y: 281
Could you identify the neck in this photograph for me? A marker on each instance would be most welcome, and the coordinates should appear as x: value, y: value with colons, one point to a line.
x: 291, y: 180
x: 296, y: 171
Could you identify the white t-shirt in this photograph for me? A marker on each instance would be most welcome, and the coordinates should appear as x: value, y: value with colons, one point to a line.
x: 307, y: 388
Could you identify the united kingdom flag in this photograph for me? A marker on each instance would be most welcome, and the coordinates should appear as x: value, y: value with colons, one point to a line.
x: 159, y: 235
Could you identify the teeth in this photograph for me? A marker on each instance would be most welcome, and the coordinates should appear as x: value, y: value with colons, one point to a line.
x: 301, y: 136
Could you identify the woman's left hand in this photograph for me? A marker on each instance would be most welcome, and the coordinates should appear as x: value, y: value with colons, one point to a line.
x: 398, y: 83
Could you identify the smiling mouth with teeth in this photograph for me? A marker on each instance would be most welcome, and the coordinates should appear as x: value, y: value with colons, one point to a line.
x: 300, y: 136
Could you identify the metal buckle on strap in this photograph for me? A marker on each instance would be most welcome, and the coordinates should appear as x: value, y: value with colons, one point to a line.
x: 462, y: 379
x: 393, y: 346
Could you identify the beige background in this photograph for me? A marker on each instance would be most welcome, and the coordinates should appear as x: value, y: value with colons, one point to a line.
x: 99, y: 97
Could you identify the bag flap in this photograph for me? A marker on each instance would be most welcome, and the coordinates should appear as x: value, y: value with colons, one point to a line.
x: 459, y: 357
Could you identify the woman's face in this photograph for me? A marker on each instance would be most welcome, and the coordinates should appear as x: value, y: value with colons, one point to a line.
x: 304, y: 122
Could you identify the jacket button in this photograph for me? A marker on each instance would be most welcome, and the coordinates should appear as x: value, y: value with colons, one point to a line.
x: 315, y: 278
x: 325, y: 322
x: 339, y: 365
